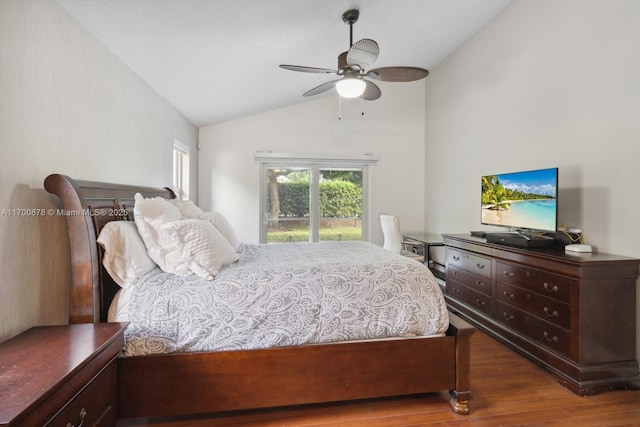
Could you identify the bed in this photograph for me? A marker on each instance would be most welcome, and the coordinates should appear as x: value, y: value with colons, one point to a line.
x: 200, y: 382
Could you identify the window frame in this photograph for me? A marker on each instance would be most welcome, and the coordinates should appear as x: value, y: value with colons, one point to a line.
x: 181, y: 170
x: 314, y: 163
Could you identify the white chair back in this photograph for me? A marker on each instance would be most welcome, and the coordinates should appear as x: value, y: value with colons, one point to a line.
x: 391, y: 232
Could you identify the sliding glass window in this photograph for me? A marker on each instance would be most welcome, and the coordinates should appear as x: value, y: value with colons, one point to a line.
x: 313, y: 202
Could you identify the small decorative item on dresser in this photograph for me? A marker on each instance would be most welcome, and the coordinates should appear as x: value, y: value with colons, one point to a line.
x: 60, y: 375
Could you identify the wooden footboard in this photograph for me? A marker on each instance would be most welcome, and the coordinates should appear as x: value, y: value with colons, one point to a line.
x: 197, y: 383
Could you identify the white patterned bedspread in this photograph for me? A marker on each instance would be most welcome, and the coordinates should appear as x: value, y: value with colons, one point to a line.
x: 286, y: 295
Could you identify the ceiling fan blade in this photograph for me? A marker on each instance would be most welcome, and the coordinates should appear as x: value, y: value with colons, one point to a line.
x: 363, y: 53
x: 308, y: 69
x: 398, y: 74
x: 371, y: 91
x: 320, y: 89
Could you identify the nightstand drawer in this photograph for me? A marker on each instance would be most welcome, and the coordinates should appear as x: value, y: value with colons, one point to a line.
x: 94, y: 405
x: 470, y: 262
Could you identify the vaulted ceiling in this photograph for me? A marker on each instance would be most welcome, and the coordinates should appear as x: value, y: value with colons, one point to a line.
x: 216, y: 60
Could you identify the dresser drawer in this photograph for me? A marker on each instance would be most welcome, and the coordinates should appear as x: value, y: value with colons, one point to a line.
x: 546, y: 308
x: 545, y: 333
x: 92, y: 406
x: 474, y: 281
x: 551, y: 285
x: 470, y: 262
x: 468, y: 296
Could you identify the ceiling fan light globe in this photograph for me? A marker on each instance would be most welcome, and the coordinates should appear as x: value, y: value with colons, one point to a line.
x: 350, y: 88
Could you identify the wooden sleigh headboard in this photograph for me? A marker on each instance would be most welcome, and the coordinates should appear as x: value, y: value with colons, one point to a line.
x: 88, y: 206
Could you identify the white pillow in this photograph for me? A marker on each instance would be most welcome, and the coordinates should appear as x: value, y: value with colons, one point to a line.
x: 119, y: 307
x: 188, y: 209
x: 203, y: 248
x: 149, y: 216
x: 125, y: 255
x: 220, y: 222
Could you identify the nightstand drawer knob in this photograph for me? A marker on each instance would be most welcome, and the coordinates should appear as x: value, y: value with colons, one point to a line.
x: 83, y: 413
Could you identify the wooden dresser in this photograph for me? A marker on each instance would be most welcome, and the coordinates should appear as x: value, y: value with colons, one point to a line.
x: 575, y: 315
x: 60, y: 376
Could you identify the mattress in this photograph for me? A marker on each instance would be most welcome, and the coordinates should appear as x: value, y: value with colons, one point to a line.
x: 284, y: 295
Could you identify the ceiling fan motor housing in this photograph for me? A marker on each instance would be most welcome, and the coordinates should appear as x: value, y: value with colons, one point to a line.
x: 350, y: 17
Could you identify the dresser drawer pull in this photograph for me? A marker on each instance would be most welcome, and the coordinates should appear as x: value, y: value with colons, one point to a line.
x: 553, y: 339
x: 550, y: 313
x: 480, y: 283
x: 549, y: 288
x: 480, y: 266
x: 480, y: 302
x: 455, y: 289
x: 508, y: 316
x: 508, y: 295
x: 456, y: 258
x: 509, y: 274
x: 83, y: 413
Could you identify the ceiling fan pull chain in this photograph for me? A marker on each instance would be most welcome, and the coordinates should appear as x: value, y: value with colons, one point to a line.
x: 362, y: 104
x: 339, y: 107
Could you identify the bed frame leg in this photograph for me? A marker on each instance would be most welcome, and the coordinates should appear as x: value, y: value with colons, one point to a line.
x: 459, y: 402
x: 461, y: 396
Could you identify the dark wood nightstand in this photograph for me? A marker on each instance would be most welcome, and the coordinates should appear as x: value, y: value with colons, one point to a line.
x: 61, y: 376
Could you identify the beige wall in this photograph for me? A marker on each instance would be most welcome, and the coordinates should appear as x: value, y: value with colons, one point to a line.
x: 392, y: 129
x: 66, y: 106
x: 547, y: 83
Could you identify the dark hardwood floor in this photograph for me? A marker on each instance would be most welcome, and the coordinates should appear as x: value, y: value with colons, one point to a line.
x: 508, y: 390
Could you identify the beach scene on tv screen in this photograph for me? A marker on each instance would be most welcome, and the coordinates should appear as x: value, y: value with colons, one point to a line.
x: 520, y: 200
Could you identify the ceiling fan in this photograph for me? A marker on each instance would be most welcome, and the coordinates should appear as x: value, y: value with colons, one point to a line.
x: 353, y: 67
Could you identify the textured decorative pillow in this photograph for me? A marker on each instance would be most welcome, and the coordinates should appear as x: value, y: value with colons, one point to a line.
x: 203, y: 248
x: 220, y: 222
x: 125, y: 255
x: 149, y: 216
x: 188, y: 209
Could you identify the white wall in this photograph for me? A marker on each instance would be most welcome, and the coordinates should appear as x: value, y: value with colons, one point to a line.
x: 547, y: 83
x: 392, y: 128
x: 67, y: 105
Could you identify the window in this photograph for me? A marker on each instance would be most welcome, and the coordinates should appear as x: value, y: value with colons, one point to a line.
x: 313, y: 199
x: 181, y: 170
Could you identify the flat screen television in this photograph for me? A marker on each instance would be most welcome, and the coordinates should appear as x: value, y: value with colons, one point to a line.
x: 522, y: 201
